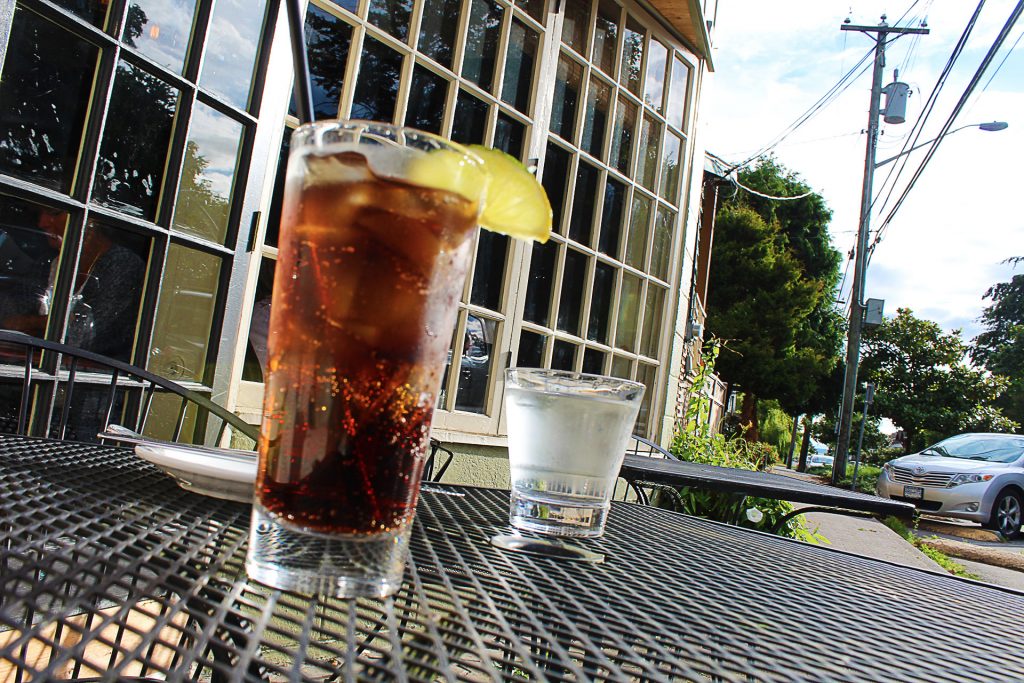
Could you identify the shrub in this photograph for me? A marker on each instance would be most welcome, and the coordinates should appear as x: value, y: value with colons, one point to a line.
x: 867, y: 477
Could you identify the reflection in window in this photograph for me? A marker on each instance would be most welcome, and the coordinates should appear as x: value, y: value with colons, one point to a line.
x: 654, y: 311
x: 601, y: 303
x: 255, y: 367
x: 639, y: 219
x: 470, y: 124
x: 611, y: 218
x: 519, y: 60
x: 568, y: 82
x: 654, y: 83
x: 581, y: 223
x: 606, y: 34
x: 160, y: 29
x: 44, y: 96
x: 231, y: 48
x: 623, y: 135
x: 647, y: 159
x: 482, y: 42
x: 677, y: 93
x: 475, y: 366
x: 207, y: 175
x: 489, y: 270
x: 629, y: 309
x: 575, y: 24
x: 661, y: 246
x: 595, y: 121
x: 537, y: 308
x: 184, y: 314
x: 531, y: 350
x: 563, y: 355
x: 632, y: 56
x: 437, y: 30
x: 31, y: 236
x: 555, y: 181
x: 133, y: 153
x: 593, y: 361
x: 391, y: 16
x: 648, y: 376
x: 377, y: 88
x: 535, y: 8
x: 570, y: 303
x: 426, y: 106
x: 671, y: 160
x: 93, y: 11
x: 509, y: 135
x: 621, y: 367
x: 327, y: 43
x: 277, y: 197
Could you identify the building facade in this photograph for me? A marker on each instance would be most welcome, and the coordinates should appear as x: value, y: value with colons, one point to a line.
x: 141, y: 157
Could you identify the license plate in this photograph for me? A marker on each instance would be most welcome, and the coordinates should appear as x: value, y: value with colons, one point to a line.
x: 914, y: 492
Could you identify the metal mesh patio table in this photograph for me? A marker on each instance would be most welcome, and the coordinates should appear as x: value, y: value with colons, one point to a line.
x: 109, y: 570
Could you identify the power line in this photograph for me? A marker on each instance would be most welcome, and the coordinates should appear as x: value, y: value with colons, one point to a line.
x: 1005, y: 57
x: 768, y: 196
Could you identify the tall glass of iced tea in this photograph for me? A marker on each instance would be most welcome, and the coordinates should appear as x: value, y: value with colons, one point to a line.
x: 371, y: 264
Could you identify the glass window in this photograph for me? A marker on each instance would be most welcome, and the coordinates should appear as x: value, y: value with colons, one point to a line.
x: 593, y: 361
x: 391, y: 16
x: 519, y: 60
x: 601, y: 303
x: 93, y: 11
x: 489, y: 270
x: 535, y: 8
x: 563, y: 355
x: 255, y: 368
x: 661, y: 247
x: 623, y: 135
x: 203, y: 205
x: 632, y: 56
x: 328, y: 39
x: 671, y: 160
x: 677, y: 92
x: 437, y: 30
x: 509, y: 135
x: 160, y: 29
x: 622, y: 367
x: 377, y: 87
x: 570, y: 303
x: 232, y: 45
x: 595, y: 121
x: 44, y: 97
x: 568, y: 82
x: 639, y: 219
x: 482, y: 38
x: 606, y: 34
x: 31, y: 236
x: 648, y: 376
x: 277, y: 198
x: 647, y: 159
x: 581, y: 223
x: 556, y: 181
x: 133, y: 154
x: 654, y: 83
x: 537, y: 307
x: 576, y: 24
x: 470, y: 124
x: 611, y: 217
x: 654, y: 311
x: 531, y: 350
x: 475, y: 367
x: 427, y: 103
x: 629, y: 309
x: 184, y: 314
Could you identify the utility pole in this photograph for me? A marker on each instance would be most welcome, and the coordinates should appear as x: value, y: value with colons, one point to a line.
x: 880, y: 35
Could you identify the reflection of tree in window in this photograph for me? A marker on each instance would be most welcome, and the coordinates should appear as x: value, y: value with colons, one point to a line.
x: 327, y: 44
x: 200, y: 210
x: 426, y: 107
x: 377, y: 88
x: 482, y: 37
x: 632, y: 56
x: 437, y: 29
x: 391, y: 16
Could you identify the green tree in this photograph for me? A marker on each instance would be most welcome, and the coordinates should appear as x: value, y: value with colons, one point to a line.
x: 924, y: 384
x: 772, y: 293
x: 1000, y: 348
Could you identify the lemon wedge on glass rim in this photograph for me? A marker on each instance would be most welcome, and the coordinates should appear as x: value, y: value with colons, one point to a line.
x: 515, y: 203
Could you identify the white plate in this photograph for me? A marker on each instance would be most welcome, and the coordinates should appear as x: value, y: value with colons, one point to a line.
x: 219, y: 472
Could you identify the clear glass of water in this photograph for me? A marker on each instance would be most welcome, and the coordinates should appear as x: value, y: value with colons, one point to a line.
x: 567, y: 435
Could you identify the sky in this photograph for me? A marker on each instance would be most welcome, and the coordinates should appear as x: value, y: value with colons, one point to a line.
x: 945, y: 245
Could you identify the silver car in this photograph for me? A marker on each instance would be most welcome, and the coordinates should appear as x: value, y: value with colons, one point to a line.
x: 978, y: 477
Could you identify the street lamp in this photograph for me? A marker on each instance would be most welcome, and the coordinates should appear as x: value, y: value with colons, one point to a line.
x: 991, y: 126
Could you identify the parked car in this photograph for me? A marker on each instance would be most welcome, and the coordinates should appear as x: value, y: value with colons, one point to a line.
x: 978, y: 477
x: 819, y: 460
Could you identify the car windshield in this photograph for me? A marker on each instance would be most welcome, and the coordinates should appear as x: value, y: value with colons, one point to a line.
x: 988, y: 447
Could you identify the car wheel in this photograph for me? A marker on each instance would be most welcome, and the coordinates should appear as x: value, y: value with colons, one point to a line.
x: 1007, y: 514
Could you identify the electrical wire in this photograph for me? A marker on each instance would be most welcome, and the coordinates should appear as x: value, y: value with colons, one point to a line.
x: 1005, y: 57
x: 768, y: 196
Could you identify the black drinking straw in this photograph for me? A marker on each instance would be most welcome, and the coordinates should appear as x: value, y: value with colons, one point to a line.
x: 303, y: 93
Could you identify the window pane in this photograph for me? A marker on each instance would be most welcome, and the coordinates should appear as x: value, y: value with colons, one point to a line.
x: 184, y: 314
x: 231, y: 48
x: 576, y: 24
x: 535, y: 8
x: 647, y: 159
x: 426, y: 105
x: 632, y: 56
x: 611, y: 218
x: 531, y: 350
x: 555, y: 181
x: 44, y: 97
x: 207, y: 175
x: 654, y: 312
x: 648, y: 376
x: 255, y: 367
x: 509, y: 135
x: 107, y: 292
x: 519, y: 59
x: 670, y: 162
x: 606, y: 34
x: 581, y: 223
x: 391, y: 16
x: 629, y: 308
x: 661, y: 249
x: 677, y: 93
x: 568, y: 82
x: 563, y: 355
x: 93, y: 11
x: 601, y: 303
x: 470, y: 124
x: 130, y: 172
x: 489, y: 270
x: 639, y: 219
x: 160, y: 29
x: 537, y: 307
x: 31, y: 236
x: 654, y: 83
x: 377, y: 87
x: 595, y: 121
x: 328, y: 39
x: 482, y: 38
x: 623, y: 135
x: 621, y: 367
x: 593, y: 361
x: 570, y: 303
x: 437, y: 29
x: 276, y: 199
x: 477, y: 360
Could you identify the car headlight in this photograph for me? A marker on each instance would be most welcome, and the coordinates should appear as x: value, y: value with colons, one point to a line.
x: 969, y: 479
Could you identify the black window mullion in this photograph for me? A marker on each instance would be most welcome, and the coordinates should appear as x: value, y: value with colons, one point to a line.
x: 175, y: 158
x: 197, y: 43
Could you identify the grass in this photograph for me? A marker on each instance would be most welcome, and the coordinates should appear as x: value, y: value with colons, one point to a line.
x: 867, y: 475
x: 938, y: 557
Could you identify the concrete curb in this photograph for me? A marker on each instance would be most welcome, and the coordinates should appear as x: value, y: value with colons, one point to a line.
x: 975, y: 553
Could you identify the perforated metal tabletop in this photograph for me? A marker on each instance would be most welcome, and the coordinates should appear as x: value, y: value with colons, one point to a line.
x: 109, y: 570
